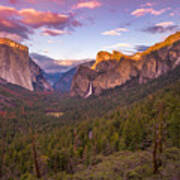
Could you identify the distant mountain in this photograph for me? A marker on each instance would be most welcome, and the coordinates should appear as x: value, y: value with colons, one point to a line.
x: 50, y: 65
x: 52, y: 78
x: 17, y: 67
x: 54, y: 70
x: 117, y: 69
x: 64, y: 83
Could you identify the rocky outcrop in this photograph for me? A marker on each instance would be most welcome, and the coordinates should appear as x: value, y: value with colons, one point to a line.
x: 14, y: 45
x: 116, y: 69
x: 64, y: 83
x: 37, y: 77
x: 17, y: 68
x: 81, y: 81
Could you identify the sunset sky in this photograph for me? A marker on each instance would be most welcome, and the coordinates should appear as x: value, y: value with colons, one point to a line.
x: 78, y: 29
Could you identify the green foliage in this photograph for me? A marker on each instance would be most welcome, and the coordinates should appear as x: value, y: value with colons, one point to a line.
x: 98, y: 138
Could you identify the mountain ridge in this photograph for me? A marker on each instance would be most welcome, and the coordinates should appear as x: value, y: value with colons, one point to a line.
x: 50, y: 65
x: 13, y: 44
x: 117, y: 69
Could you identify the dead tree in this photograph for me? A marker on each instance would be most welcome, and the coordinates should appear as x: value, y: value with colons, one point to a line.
x: 159, y: 133
x: 35, y: 158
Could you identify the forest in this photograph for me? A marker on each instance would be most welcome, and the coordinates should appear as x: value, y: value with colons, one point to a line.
x: 135, y: 134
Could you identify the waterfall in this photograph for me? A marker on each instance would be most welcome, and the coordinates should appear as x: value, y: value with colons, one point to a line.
x: 90, y: 91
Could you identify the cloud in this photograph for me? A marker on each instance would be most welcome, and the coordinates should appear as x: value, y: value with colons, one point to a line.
x: 12, y: 36
x: 89, y: 4
x: 24, y: 22
x: 50, y: 42
x: 165, y: 24
x: 162, y: 27
x: 13, y: 1
x: 118, y: 46
x: 114, y: 32
x: 48, y: 64
x: 10, y: 25
x: 148, y: 4
x: 7, y: 11
x: 144, y: 11
x: 45, y: 51
x: 38, y: 19
x: 141, y: 48
x: 54, y: 32
x: 172, y: 14
x: 36, y: 1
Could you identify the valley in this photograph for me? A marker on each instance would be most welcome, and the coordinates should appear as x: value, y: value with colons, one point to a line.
x: 114, y: 118
x: 93, y: 139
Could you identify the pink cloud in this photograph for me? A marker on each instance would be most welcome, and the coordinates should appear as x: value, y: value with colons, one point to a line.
x: 144, y: 11
x: 165, y: 24
x: 36, y: 1
x: 114, y: 32
x: 172, y: 14
x: 89, y: 4
x: 7, y: 11
x: 13, y: 1
x: 54, y: 32
x: 24, y: 22
x: 148, y: 4
x: 10, y: 25
x: 12, y: 36
x: 37, y: 19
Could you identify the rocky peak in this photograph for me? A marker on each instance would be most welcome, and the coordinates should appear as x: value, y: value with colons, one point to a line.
x: 16, y: 66
x: 166, y: 44
x: 103, y: 56
x: 13, y: 44
x: 116, y: 55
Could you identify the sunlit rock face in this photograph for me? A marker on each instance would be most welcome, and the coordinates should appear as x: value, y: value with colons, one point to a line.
x: 16, y: 66
x: 81, y: 81
x: 10, y: 43
x: 160, y: 62
x: 116, y: 69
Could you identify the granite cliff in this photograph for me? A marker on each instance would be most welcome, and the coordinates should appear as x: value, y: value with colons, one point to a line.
x: 116, y: 69
x: 64, y: 83
x: 16, y: 66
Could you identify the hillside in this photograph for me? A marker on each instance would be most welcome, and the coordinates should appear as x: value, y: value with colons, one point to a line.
x: 124, y: 135
x: 77, y: 138
x: 129, y: 165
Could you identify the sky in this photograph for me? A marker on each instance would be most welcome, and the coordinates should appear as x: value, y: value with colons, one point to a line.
x: 78, y: 29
